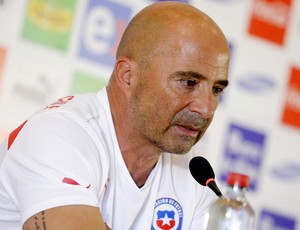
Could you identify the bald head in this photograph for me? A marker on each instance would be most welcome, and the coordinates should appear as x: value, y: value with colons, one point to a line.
x: 172, y: 65
x: 156, y: 29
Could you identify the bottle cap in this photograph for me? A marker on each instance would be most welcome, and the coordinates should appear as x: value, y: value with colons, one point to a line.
x: 241, y: 180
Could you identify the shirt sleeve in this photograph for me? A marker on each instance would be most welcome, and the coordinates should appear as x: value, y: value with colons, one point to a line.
x: 55, y: 160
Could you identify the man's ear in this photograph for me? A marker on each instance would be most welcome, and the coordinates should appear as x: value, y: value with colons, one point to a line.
x: 123, y: 72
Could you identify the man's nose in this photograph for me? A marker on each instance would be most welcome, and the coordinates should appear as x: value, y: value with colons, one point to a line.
x: 204, y: 103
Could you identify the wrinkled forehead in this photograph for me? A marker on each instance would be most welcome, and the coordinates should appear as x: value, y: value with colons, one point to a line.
x: 195, y: 46
x: 196, y: 37
x: 191, y: 35
x: 191, y: 53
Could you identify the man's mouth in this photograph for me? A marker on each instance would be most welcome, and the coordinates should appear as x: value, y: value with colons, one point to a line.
x: 188, y: 130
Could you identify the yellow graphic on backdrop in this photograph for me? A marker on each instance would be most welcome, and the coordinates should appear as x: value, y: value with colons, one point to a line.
x: 49, y: 22
x: 49, y: 16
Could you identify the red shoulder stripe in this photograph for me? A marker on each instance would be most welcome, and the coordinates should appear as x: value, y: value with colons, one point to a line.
x: 14, y: 134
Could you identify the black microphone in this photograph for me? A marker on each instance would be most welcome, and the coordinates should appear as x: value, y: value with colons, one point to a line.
x: 203, y: 173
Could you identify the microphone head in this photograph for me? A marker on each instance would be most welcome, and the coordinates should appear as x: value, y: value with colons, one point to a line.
x: 201, y: 170
x: 204, y: 174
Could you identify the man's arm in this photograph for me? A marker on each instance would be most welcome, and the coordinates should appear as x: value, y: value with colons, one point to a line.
x: 67, y: 217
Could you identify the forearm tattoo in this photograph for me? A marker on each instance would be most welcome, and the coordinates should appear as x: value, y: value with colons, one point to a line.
x: 40, y: 222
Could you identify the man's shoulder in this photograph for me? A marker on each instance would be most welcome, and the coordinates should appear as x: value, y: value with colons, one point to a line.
x: 78, y: 106
x: 84, y: 105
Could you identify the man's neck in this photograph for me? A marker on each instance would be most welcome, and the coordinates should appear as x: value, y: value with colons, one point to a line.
x: 141, y: 168
x: 139, y: 155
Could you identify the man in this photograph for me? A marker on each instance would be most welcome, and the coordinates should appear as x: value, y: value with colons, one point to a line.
x: 118, y: 158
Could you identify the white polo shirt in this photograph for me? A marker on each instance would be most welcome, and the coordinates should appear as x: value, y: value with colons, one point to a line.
x: 68, y: 153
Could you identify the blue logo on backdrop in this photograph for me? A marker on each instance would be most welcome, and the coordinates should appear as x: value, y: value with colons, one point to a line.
x: 243, y: 153
x: 270, y: 221
x: 287, y: 171
x: 256, y: 83
x: 103, y: 26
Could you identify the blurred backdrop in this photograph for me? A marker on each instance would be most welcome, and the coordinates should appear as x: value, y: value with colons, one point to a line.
x: 53, y: 48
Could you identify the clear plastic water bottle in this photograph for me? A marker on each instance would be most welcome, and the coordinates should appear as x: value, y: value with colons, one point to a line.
x: 232, y: 211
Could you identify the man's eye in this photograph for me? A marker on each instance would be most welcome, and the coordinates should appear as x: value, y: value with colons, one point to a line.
x: 189, y: 83
x: 218, y: 90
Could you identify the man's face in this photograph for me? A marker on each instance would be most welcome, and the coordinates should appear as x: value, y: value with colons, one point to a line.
x: 177, y: 95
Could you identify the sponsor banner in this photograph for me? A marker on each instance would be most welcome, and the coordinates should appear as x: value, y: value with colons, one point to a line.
x: 286, y: 171
x: 49, y: 22
x: 270, y: 19
x: 250, y: 93
x: 291, y: 111
x: 244, y: 153
x: 103, y: 25
x: 255, y: 83
x: 84, y: 83
x: 249, y: 133
x: 270, y: 220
